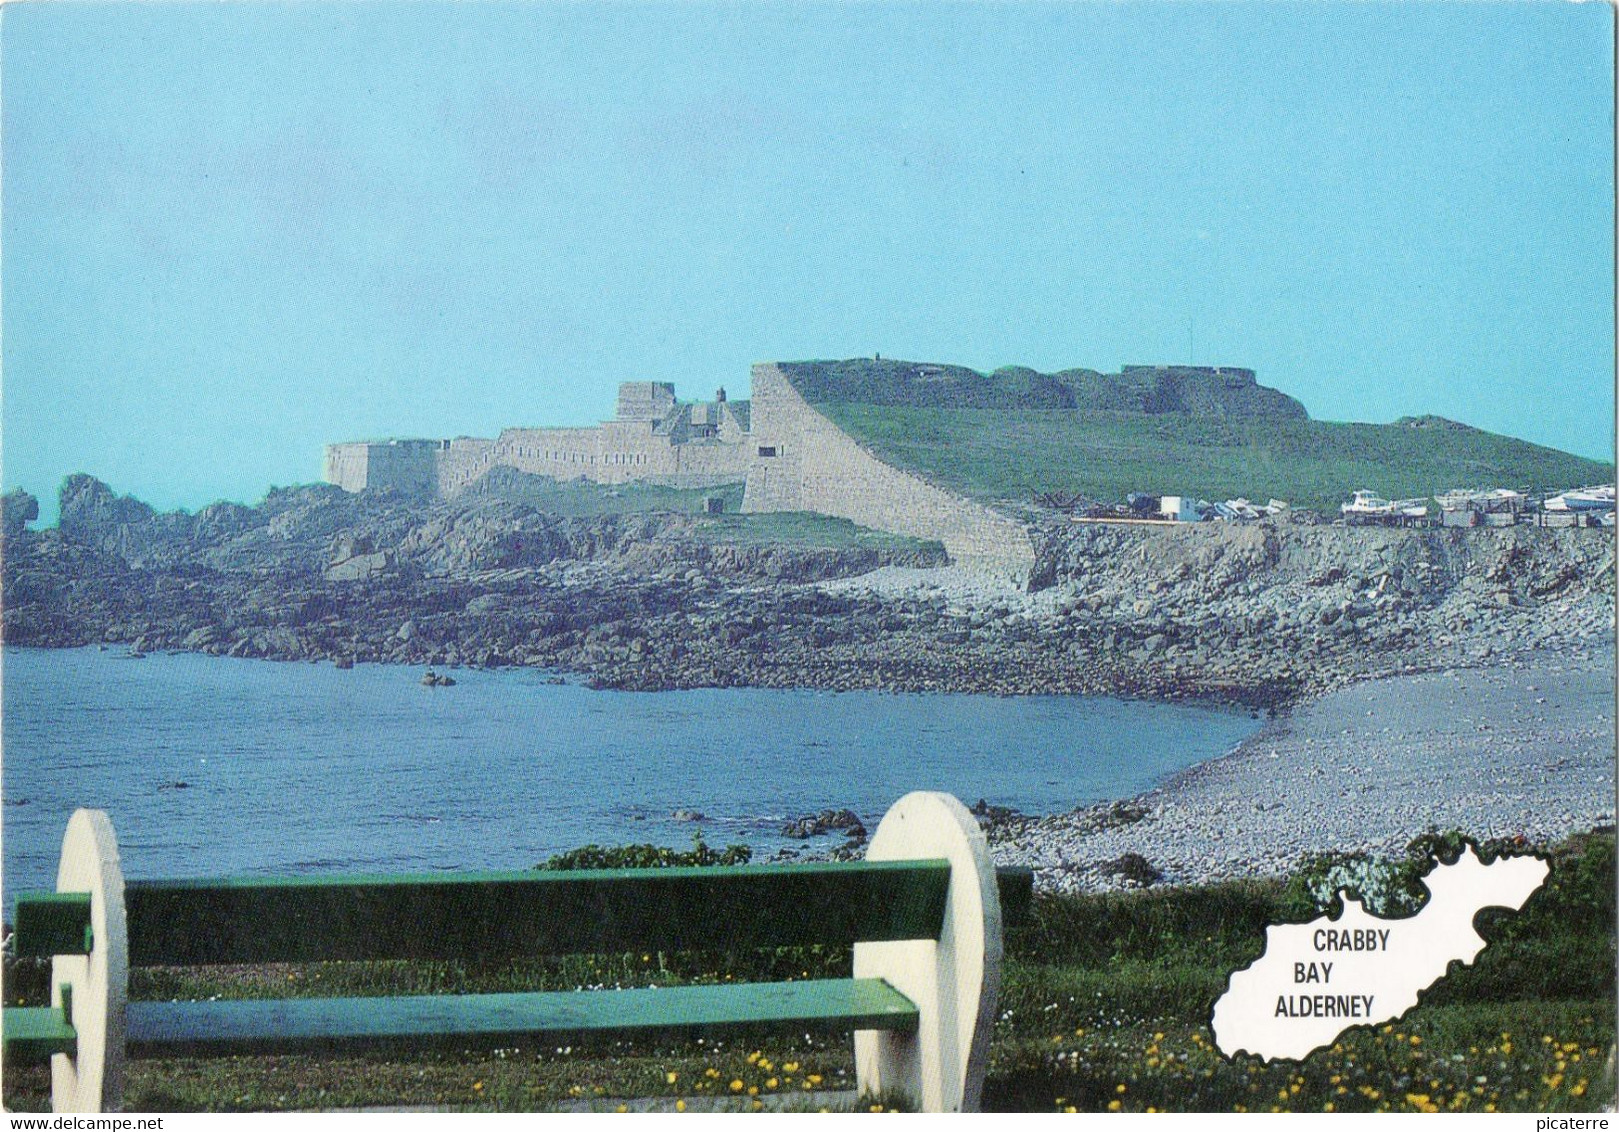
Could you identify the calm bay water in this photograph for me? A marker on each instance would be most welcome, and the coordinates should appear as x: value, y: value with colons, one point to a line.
x: 293, y: 768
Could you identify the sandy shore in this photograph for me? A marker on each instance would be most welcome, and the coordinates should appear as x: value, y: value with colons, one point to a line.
x: 1525, y: 748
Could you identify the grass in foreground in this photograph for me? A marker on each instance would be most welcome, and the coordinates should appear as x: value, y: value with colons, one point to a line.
x: 1105, y: 1006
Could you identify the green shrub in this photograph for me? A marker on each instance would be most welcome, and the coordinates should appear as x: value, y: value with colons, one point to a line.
x: 648, y: 857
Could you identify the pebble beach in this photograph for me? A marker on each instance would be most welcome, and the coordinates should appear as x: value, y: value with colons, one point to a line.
x: 1525, y: 747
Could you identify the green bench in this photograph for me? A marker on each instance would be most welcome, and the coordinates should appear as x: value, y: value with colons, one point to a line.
x: 923, y: 913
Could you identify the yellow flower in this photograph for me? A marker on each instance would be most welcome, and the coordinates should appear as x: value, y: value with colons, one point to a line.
x: 1113, y: 1106
x: 772, y: 1083
x: 1415, y: 1040
x: 671, y: 1076
x: 736, y: 1085
x: 753, y: 1090
x: 477, y: 1086
x: 790, y: 1067
x: 680, y: 1106
x: 622, y: 1108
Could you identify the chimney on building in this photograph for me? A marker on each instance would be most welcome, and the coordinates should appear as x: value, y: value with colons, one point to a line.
x: 719, y: 394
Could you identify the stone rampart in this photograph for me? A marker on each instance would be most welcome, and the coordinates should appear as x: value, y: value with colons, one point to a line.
x: 462, y: 461
x: 409, y: 466
x: 804, y: 462
x: 346, y: 464
x: 560, y: 453
x: 653, y: 440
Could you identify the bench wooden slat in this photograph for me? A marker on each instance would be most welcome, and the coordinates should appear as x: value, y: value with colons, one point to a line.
x: 33, y: 1033
x: 57, y: 923
x: 170, y: 1029
x: 52, y: 923
x: 1015, y: 884
x: 500, y: 915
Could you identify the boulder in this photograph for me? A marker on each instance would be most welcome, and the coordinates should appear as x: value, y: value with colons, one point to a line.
x: 17, y: 510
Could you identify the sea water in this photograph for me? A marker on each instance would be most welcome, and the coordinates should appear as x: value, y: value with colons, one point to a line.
x: 212, y: 766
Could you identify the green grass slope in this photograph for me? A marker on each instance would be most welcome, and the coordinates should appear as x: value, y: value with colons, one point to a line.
x: 1010, y: 453
x: 581, y: 499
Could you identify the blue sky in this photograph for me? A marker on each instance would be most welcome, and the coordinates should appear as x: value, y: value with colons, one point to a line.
x: 236, y: 231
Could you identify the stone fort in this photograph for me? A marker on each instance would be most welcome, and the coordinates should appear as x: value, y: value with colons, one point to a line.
x: 789, y: 455
x: 653, y: 439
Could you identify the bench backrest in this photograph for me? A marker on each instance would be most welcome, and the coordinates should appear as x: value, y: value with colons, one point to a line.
x: 502, y: 915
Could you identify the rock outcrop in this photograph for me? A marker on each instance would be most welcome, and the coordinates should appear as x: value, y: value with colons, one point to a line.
x: 1259, y: 614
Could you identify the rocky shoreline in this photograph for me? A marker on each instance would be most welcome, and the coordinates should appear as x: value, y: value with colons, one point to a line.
x: 1260, y: 614
x: 1321, y: 620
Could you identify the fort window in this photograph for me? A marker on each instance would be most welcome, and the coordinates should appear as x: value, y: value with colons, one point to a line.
x: 765, y: 450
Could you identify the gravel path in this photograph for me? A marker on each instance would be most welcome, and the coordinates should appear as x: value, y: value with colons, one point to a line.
x: 1522, y: 748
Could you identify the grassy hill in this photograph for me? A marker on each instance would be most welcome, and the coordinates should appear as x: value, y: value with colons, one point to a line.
x: 1198, y: 390
x: 1009, y: 453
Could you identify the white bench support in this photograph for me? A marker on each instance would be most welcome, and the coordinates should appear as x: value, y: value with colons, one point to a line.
x: 954, y: 980
x: 92, y: 1079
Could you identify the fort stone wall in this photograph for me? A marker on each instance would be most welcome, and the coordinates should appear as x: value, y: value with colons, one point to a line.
x: 410, y: 466
x: 791, y: 457
x: 558, y: 453
x: 463, y: 460
x: 804, y: 462
x: 346, y: 464
x: 708, y: 463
